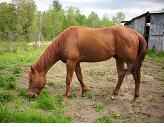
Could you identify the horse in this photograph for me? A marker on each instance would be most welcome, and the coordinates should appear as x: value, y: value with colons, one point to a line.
x: 78, y: 44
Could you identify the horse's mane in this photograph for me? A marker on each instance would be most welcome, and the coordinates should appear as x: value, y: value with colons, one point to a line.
x: 50, y: 55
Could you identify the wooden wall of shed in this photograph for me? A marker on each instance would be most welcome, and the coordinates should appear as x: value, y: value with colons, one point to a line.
x: 139, y: 24
x: 156, y: 35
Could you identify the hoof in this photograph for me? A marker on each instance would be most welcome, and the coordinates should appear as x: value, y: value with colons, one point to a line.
x: 86, y: 88
x: 83, y: 93
x: 134, y: 99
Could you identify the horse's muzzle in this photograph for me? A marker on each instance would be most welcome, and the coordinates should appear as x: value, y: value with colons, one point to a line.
x: 32, y: 94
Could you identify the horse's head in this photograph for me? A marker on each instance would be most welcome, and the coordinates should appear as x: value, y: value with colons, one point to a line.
x: 37, y: 82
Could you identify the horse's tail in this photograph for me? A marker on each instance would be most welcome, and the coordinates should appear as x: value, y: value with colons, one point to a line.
x: 141, y: 52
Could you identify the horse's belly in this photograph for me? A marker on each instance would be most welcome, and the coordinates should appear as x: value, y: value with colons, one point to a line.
x: 95, y: 57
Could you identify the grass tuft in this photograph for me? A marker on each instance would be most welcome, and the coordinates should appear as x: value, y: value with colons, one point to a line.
x: 47, y: 102
x: 99, y: 107
x: 44, y: 101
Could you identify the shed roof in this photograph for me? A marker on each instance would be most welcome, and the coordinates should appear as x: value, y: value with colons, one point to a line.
x: 144, y: 14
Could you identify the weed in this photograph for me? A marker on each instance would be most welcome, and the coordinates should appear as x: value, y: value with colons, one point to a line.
x: 99, y: 107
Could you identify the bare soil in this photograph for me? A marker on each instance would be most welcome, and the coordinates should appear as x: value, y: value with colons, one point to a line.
x: 101, y: 78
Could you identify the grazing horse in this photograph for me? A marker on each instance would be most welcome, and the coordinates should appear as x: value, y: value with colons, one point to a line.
x: 82, y: 44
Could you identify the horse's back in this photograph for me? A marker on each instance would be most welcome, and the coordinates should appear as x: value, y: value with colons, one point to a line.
x: 98, y: 44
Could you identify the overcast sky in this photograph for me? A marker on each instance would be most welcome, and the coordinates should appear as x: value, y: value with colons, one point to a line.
x: 131, y: 8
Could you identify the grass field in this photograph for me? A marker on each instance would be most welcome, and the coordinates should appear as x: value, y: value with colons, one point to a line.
x: 15, y: 106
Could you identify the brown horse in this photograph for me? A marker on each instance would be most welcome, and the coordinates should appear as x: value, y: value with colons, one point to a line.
x: 82, y: 44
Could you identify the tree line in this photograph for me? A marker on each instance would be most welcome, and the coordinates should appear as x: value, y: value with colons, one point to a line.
x: 23, y: 22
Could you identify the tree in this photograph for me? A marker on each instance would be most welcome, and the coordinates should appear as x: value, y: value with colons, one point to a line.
x: 26, y: 10
x: 93, y: 20
x: 105, y: 21
x: 53, y: 22
x: 7, y: 20
x: 71, y: 16
x: 120, y: 16
x: 56, y: 5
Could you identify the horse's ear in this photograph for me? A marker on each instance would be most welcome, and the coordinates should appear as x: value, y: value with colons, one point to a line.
x: 32, y: 69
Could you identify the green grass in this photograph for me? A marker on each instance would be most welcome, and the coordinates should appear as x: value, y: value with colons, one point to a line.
x: 7, y: 81
x: 157, y: 56
x: 32, y: 116
x: 22, y: 93
x: 47, y: 102
x: 15, y: 105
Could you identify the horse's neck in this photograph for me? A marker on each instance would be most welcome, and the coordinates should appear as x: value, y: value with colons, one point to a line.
x: 48, y: 58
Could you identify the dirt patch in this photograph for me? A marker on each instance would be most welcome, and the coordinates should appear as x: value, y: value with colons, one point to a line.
x: 101, y: 78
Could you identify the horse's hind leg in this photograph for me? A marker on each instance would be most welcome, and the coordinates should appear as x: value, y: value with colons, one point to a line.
x: 121, y: 74
x: 70, y: 70
x: 137, y: 77
x: 80, y: 78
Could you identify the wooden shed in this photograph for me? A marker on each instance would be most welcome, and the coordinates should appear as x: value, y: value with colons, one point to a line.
x: 151, y: 25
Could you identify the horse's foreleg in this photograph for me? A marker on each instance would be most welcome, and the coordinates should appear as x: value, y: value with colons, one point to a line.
x: 137, y: 78
x: 70, y: 70
x: 80, y: 78
x: 121, y: 74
